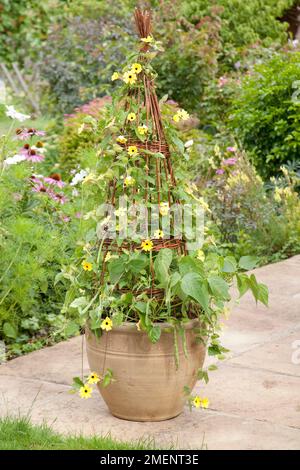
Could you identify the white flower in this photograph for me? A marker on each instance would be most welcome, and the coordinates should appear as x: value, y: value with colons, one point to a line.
x: 78, y: 178
x: 39, y: 150
x: 12, y: 113
x: 15, y: 159
x: 189, y: 143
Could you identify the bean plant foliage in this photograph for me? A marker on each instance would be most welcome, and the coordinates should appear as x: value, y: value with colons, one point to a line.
x: 108, y: 289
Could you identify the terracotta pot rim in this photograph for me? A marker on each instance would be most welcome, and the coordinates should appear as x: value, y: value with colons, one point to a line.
x: 131, y: 327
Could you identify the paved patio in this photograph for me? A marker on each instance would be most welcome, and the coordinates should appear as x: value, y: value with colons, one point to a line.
x: 254, y: 395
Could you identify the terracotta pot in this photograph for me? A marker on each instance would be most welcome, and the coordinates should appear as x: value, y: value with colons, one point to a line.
x: 148, y: 386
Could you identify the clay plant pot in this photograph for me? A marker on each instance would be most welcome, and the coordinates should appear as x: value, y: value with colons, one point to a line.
x: 147, y: 386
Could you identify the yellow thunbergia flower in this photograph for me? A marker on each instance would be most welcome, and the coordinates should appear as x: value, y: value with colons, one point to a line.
x: 142, y: 129
x: 115, y: 76
x: 121, y: 139
x: 197, y: 402
x: 158, y: 234
x: 176, y: 117
x: 129, y: 77
x: 136, y: 68
x: 129, y: 181
x: 86, y: 265
x: 200, y: 255
x: 184, y: 115
x: 107, y: 256
x: 107, y: 324
x: 132, y: 150
x: 147, y: 40
x: 164, y: 208
x: 204, y: 403
x: 147, y: 245
x: 131, y: 117
x: 93, y: 378
x: 85, y: 391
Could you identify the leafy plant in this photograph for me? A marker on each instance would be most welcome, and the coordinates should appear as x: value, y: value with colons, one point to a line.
x: 265, y: 113
x: 114, y: 274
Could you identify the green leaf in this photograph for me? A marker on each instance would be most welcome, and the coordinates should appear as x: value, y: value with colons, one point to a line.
x: 229, y: 264
x: 71, y: 328
x: 116, y: 269
x: 263, y: 294
x: 162, y: 264
x: 243, y: 283
x: 154, y: 333
x: 79, y: 302
x: 219, y: 287
x: 108, y: 378
x: 77, y: 382
x: 141, y: 306
x: 193, y: 286
x: 9, y: 330
x: 248, y: 262
x: 117, y: 318
x: 178, y: 143
x: 136, y: 265
x: 188, y: 264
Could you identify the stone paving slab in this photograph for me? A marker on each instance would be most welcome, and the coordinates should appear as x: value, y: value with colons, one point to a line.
x: 254, y: 395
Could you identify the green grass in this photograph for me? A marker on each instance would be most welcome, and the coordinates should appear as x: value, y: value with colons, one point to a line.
x: 20, y: 434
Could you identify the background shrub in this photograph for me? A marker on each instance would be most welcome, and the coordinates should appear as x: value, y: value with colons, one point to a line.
x: 265, y: 113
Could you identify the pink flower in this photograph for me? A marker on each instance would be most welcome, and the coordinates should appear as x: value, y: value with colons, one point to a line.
x: 57, y: 197
x: 24, y: 134
x: 55, y: 180
x: 222, y: 81
x: 220, y: 171
x: 230, y: 161
x: 65, y: 218
x: 231, y: 149
x: 39, y: 188
x: 78, y: 215
x: 30, y: 154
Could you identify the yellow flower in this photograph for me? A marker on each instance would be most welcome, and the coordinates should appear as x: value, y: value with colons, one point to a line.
x: 142, y: 129
x: 147, y: 245
x: 131, y: 117
x: 115, y: 76
x: 136, y: 68
x: 132, y: 150
x: 158, y: 234
x: 204, y: 403
x: 129, y: 181
x: 197, y: 402
x: 93, y: 378
x: 176, y: 117
x: 200, y: 255
x: 85, y: 391
x: 164, y: 208
x: 147, y: 40
x: 121, y: 139
x: 129, y: 77
x: 86, y: 265
x: 107, y: 256
x: 107, y: 324
x: 183, y: 115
